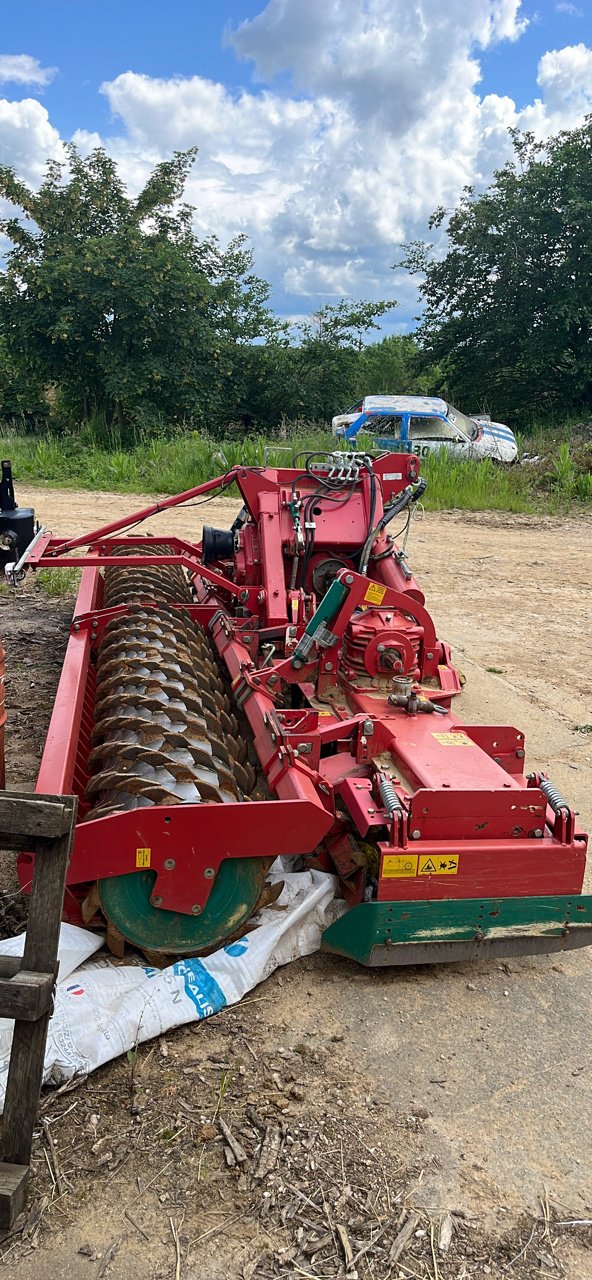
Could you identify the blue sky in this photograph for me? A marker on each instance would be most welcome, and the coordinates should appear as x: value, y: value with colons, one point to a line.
x: 327, y: 129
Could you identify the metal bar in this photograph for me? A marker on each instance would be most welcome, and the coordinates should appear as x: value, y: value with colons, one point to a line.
x: 56, y: 771
x: 144, y: 514
x: 31, y: 547
x: 93, y: 561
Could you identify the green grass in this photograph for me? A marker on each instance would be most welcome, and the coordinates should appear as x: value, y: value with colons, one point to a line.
x: 58, y: 582
x: 93, y: 460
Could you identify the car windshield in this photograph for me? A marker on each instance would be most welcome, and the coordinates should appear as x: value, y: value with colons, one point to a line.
x: 468, y: 425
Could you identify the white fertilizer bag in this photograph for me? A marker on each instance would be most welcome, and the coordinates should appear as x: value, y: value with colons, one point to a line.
x: 103, y: 1009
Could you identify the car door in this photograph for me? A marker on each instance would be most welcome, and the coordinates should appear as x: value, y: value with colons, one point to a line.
x: 431, y: 433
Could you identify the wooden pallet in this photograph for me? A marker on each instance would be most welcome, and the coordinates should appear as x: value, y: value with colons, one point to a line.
x: 43, y: 825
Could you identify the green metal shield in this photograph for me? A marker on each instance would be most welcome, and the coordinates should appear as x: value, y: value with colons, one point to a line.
x: 386, y: 933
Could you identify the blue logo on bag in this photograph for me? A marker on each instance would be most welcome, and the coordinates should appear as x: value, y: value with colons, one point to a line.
x: 237, y: 948
x: 200, y: 987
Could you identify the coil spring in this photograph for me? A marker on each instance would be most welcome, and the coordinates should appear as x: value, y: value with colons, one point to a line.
x: 555, y: 798
x: 389, y: 796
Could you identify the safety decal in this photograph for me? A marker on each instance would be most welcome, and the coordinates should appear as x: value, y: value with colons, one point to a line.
x: 399, y: 865
x: 454, y: 739
x: 143, y: 857
x: 406, y: 866
x: 375, y: 594
x: 437, y: 866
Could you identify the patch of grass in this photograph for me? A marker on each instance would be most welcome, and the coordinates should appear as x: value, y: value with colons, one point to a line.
x: 478, y: 486
x: 58, y: 582
x: 495, y: 671
x: 583, y: 728
x: 180, y: 461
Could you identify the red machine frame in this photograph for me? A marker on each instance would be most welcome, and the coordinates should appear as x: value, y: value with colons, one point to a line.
x: 466, y: 822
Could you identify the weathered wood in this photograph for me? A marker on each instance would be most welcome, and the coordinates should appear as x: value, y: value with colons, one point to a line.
x: 27, y: 995
x: 14, y: 1180
x: 46, y: 817
x: 25, y: 1072
x: 9, y: 965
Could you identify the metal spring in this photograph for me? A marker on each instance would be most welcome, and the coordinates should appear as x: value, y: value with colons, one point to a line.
x: 389, y: 796
x: 555, y: 798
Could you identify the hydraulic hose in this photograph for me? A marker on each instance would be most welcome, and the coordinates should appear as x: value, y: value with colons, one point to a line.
x: 411, y: 493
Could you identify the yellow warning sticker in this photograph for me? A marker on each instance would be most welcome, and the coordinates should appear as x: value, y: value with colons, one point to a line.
x: 143, y: 857
x: 399, y: 865
x: 437, y: 865
x: 454, y: 739
x: 375, y: 594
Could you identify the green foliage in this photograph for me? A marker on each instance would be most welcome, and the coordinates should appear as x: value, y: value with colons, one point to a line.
x: 58, y: 582
x: 509, y: 305
x: 115, y: 301
x: 161, y: 465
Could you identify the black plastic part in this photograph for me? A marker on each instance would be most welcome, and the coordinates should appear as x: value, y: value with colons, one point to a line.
x: 17, y: 524
x: 17, y: 530
x: 217, y: 544
x: 7, y: 500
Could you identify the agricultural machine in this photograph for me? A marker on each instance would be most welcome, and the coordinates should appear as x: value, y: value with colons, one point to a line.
x: 279, y: 689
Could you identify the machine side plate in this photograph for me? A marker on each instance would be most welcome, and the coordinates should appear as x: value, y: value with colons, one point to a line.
x: 386, y: 933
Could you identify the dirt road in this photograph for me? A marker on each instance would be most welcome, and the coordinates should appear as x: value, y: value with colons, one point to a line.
x: 476, y: 1078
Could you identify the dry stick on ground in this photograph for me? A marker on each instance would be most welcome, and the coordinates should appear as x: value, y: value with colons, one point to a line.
x: 110, y: 1254
x: 432, y: 1247
x: 135, y: 1224
x: 524, y: 1249
x: 404, y: 1236
x: 175, y: 1235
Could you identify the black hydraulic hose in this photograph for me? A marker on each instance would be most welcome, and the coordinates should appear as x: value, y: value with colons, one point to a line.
x: 410, y: 494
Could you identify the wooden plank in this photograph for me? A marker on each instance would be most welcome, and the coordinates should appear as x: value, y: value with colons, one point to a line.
x: 25, y: 1072
x: 33, y: 816
x: 27, y: 995
x: 14, y: 1179
x: 9, y: 965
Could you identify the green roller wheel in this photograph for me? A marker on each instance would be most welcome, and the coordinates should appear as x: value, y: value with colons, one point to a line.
x: 126, y: 904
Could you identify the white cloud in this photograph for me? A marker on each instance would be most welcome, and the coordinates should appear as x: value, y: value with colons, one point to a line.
x: 21, y: 68
x: 565, y: 76
x: 383, y: 121
x: 27, y: 138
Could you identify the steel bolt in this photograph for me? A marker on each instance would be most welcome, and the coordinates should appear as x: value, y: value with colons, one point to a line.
x: 169, y: 864
x: 429, y: 656
x: 272, y: 680
x: 156, y: 901
x: 209, y: 873
x: 328, y: 666
x: 520, y: 754
x: 349, y: 577
x: 247, y: 639
x: 538, y: 833
x: 196, y: 909
x: 416, y: 835
x: 381, y: 648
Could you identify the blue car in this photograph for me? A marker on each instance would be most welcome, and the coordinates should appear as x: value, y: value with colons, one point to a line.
x: 426, y: 424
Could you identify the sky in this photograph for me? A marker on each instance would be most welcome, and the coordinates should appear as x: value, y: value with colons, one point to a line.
x: 328, y: 130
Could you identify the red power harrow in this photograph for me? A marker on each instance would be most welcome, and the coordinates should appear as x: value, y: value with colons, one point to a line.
x: 276, y: 689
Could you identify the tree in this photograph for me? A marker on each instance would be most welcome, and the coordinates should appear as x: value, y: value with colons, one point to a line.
x: 509, y: 304
x: 115, y: 300
x: 329, y: 355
